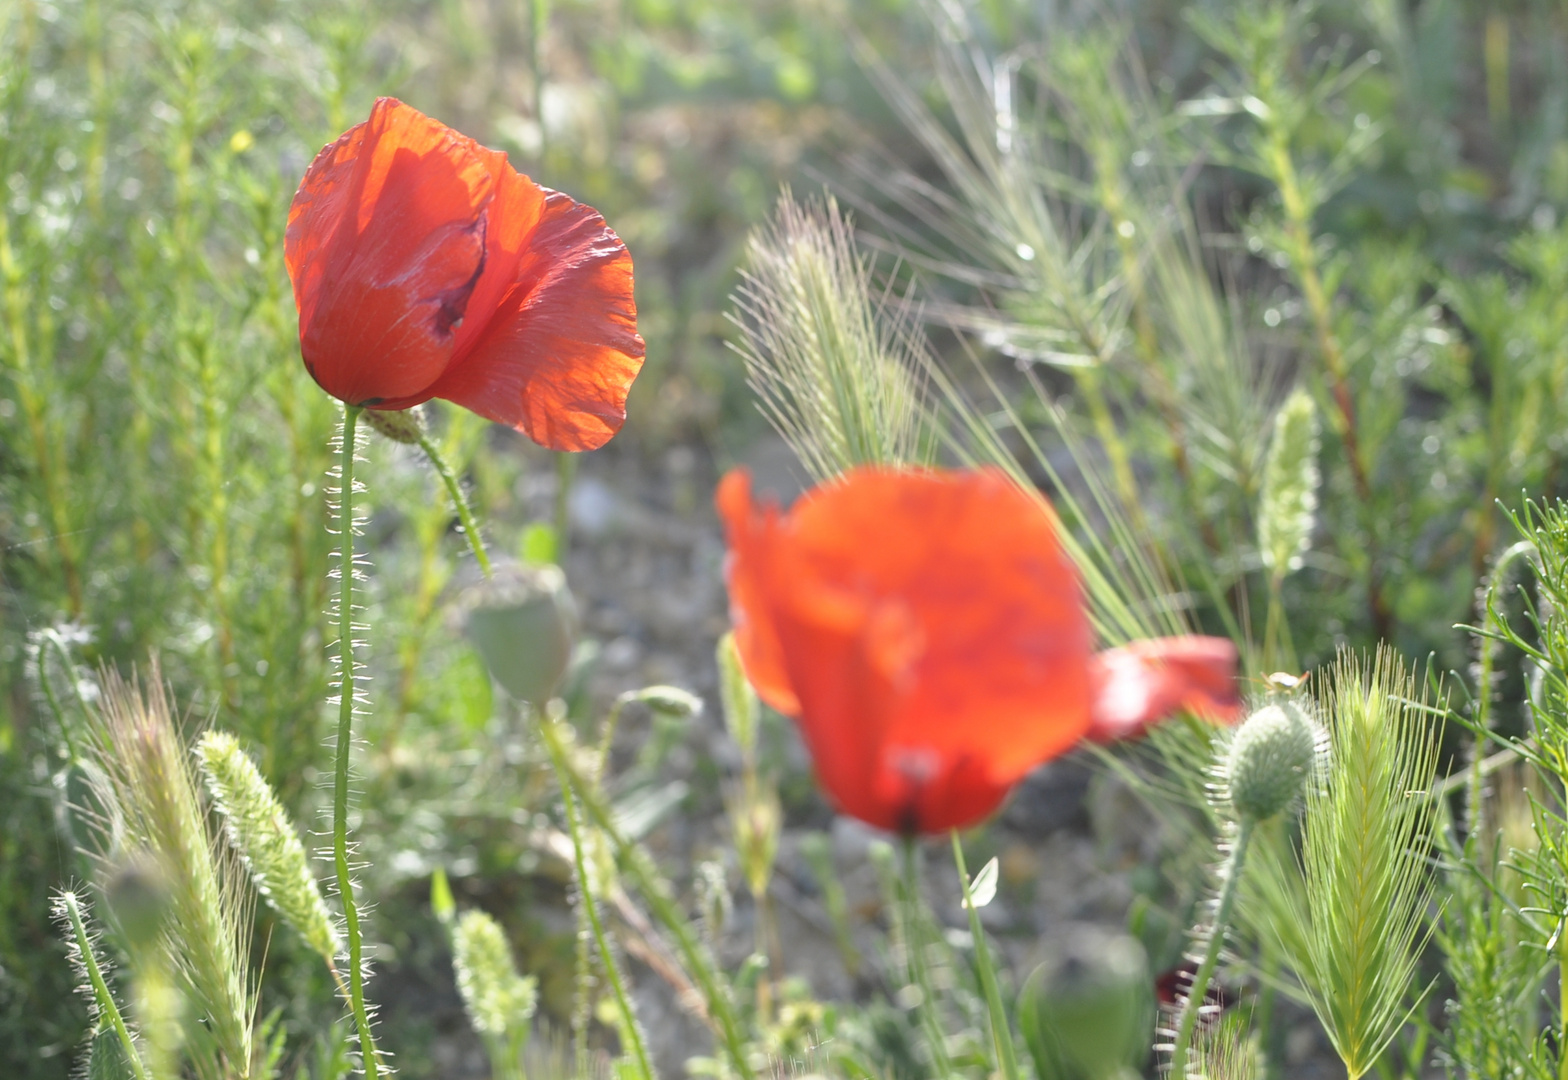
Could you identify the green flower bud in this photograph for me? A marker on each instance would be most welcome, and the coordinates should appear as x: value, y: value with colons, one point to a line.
x: 1269, y: 759
x: 137, y: 895
x: 1090, y: 1007
x: 523, y: 623
x: 400, y: 425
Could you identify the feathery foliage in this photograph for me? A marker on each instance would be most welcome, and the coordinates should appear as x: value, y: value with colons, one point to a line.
x: 265, y: 839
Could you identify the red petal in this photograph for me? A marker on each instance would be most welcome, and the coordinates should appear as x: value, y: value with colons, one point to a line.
x: 385, y: 243
x: 557, y: 358
x: 1140, y: 684
x: 932, y: 632
x: 755, y: 637
x: 964, y: 598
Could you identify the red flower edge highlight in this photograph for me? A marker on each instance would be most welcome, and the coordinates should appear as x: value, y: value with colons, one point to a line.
x: 927, y: 632
x: 1139, y: 684
x: 425, y: 266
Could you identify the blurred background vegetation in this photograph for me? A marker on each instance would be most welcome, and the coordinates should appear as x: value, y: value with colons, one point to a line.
x: 1369, y: 199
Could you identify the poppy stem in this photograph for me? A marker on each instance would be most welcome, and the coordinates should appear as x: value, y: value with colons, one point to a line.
x: 1194, y: 1004
x: 346, y: 694
x: 912, y: 916
x: 465, y: 513
x: 1001, y: 1030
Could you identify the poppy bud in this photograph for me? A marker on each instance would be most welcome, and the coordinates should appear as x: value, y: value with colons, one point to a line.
x: 523, y: 623
x: 1091, y: 1007
x: 405, y: 426
x: 137, y: 894
x: 1269, y: 759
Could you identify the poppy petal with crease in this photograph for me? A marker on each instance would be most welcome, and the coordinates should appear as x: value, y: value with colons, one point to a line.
x: 425, y: 266
x: 928, y: 633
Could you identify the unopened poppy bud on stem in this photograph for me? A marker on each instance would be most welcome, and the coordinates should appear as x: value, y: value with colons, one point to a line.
x: 1092, y: 1004
x: 523, y: 623
x: 1269, y: 759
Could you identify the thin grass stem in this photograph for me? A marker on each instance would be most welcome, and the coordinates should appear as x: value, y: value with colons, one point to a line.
x: 1001, y: 1030
x: 629, y: 1029
x: 656, y: 890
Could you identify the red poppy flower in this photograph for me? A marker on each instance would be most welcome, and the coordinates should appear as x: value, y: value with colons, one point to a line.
x: 928, y: 633
x: 425, y: 266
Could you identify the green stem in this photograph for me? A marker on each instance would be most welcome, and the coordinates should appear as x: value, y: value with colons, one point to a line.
x: 464, y: 513
x: 1211, y: 957
x: 101, y: 993
x: 1001, y: 1031
x: 565, y: 470
x: 356, y: 974
x: 1562, y: 1015
x: 912, y: 918
x: 611, y: 969
x: 645, y: 874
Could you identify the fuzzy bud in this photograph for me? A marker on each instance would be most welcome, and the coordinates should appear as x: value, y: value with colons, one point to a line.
x: 1269, y: 759
x: 137, y: 895
x: 405, y: 426
x: 523, y: 623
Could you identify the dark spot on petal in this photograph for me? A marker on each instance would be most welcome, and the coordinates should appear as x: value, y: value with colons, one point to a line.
x: 452, y: 304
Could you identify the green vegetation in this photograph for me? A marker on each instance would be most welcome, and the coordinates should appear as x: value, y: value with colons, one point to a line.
x: 1270, y: 298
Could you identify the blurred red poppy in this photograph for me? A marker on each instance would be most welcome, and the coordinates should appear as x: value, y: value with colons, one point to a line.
x: 425, y: 266
x: 928, y: 633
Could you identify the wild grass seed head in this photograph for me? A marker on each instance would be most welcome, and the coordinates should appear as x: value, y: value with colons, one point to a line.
x: 499, y: 1001
x: 834, y: 363
x: 264, y: 838
x: 152, y: 809
x: 1365, y: 835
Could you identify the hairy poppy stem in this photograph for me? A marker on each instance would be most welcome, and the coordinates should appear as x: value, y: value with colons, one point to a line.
x: 1001, y: 1030
x: 465, y: 513
x: 356, y: 973
x: 1193, y: 1006
x: 105, y: 1000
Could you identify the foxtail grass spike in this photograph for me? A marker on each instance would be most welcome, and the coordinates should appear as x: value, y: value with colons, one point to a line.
x: 265, y: 839
x: 1289, y: 501
x: 500, y: 1002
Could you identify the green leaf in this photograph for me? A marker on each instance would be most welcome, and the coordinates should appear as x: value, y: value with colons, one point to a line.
x: 441, y: 901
